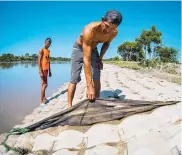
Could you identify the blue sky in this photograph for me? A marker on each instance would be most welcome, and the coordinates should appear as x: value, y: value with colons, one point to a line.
x: 25, y: 25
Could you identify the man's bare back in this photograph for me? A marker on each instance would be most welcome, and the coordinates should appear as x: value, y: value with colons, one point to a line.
x: 94, y: 34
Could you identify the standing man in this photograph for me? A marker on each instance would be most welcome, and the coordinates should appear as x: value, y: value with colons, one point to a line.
x: 85, y: 52
x: 44, y: 68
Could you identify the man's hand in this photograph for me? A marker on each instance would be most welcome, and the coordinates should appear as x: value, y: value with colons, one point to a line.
x: 50, y: 74
x: 90, y: 93
x: 41, y: 74
x: 99, y: 64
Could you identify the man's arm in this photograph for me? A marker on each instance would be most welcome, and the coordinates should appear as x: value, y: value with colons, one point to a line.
x: 105, y: 45
x: 87, y: 63
x: 104, y: 48
x: 50, y: 73
x: 39, y: 62
x: 49, y: 67
x: 87, y: 50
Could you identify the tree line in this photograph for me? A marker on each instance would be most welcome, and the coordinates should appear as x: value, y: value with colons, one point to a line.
x: 148, y: 46
x: 8, y: 57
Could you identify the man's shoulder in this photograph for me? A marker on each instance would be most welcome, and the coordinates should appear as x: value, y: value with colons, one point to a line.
x: 45, y: 50
x: 91, y: 26
x: 41, y: 51
x: 89, y: 29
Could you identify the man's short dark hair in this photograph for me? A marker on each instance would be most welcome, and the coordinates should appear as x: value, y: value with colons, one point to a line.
x: 113, y: 16
x: 49, y: 40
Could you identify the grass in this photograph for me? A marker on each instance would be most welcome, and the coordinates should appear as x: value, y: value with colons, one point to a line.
x: 125, y: 64
x: 171, y: 70
x: 173, y: 75
x: 176, y: 80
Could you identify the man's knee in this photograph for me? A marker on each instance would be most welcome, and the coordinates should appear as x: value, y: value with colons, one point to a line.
x: 75, y: 79
x: 71, y: 84
x: 45, y: 85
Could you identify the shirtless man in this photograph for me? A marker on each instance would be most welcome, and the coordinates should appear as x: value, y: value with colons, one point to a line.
x: 85, y: 52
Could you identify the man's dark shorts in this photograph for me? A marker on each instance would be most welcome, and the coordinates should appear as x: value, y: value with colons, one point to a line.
x: 77, y: 63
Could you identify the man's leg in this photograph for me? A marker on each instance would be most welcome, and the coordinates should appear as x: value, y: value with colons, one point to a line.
x: 43, y: 86
x: 76, y: 67
x: 71, y: 93
x: 43, y: 98
x: 41, y: 92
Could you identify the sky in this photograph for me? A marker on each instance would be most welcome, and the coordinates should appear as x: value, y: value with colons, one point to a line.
x: 25, y: 25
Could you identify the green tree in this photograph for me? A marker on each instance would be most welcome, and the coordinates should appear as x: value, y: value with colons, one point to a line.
x: 155, y: 39
x: 34, y: 57
x: 129, y: 50
x: 150, y: 40
x: 27, y: 55
x: 167, y: 54
x: 116, y: 58
x: 144, y: 40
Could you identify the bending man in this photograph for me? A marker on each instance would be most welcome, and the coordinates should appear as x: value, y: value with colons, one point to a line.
x: 85, y: 52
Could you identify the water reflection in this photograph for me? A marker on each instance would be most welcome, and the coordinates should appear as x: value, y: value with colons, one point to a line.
x: 20, y: 89
x: 7, y: 65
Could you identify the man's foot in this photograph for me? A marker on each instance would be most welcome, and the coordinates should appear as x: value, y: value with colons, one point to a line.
x: 69, y: 106
x: 44, y: 99
x: 42, y: 105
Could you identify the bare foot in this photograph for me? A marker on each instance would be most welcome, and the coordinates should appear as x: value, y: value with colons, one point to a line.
x: 44, y: 99
x: 69, y: 106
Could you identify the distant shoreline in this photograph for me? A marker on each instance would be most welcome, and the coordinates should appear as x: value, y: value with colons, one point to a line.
x: 33, y: 61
